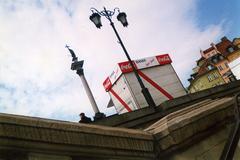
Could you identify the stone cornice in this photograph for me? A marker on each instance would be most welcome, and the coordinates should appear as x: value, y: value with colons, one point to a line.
x: 33, y: 134
x: 178, y: 127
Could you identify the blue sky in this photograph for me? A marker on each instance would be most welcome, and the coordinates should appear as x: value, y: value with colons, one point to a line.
x: 35, y: 75
x: 217, y: 11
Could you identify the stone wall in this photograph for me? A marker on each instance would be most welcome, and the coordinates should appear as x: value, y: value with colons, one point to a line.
x: 209, y: 148
x: 31, y: 135
x: 197, y: 132
x: 194, y: 127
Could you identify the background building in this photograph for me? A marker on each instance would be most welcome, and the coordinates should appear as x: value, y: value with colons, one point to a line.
x: 234, y: 51
x: 213, y: 67
x: 235, y: 68
x: 208, y: 79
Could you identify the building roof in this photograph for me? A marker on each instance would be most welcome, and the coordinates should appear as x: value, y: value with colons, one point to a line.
x: 236, y: 41
x: 201, y: 59
x: 221, y: 46
x: 204, y: 68
x: 208, y: 50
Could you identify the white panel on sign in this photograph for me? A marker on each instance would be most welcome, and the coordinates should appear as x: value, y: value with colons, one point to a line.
x: 136, y: 89
x: 146, y: 62
x: 118, y: 106
x: 122, y: 90
x: 115, y: 74
x: 164, y: 77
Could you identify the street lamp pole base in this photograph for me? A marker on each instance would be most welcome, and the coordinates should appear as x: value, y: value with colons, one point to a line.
x: 99, y: 116
x: 148, y: 97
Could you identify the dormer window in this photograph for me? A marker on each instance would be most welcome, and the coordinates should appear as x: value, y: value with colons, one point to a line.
x: 226, y: 64
x: 220, y: 68
x: 209, y: 67
x: 230, y: 49
x: 215, y: 60
x: 221, y: 57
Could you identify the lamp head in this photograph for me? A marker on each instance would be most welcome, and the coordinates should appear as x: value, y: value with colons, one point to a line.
x: 122, y: 17
x: 96, y: 19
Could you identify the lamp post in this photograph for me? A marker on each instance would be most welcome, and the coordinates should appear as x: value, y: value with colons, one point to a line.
x: 96, y: 19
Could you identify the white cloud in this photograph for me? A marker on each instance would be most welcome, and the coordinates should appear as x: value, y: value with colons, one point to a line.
x: 35, y: 75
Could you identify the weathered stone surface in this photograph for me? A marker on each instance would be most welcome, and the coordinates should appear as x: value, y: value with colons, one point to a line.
x: 209, y: 148
x: 69, y: 126
x: 43, y: 134
x: 37, y: 156
x: 181, y: 125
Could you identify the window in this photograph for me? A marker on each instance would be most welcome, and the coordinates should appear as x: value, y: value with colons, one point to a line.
x: 210, y: 77
x: 230, y: 49
x: 221, y: 57
x: 220, y: 68
x: 215, y: 60
x: 215, y: 75
x: 210, y: 67
x: 226, y: 64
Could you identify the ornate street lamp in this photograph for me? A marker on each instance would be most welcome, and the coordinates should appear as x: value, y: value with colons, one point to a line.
x: 96, y: 19
x: 122, y: 17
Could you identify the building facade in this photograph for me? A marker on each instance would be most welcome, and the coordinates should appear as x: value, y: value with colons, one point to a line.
x: 234, y: 52
x: 215, y: 60
x: 209, y: 79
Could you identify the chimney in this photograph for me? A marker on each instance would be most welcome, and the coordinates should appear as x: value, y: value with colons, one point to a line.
x: 214, y: 46
x: 202, y: 54
x: 224, y: 38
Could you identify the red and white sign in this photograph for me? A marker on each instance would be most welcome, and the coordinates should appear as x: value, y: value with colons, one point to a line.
x: 125, y: 67
x: 115, y: 74
x: 107, y: 84
x: 120, y: 100
x: 146, y: 62
x: 163, y: 59
x: 155, y: 85
x: 157, y: 74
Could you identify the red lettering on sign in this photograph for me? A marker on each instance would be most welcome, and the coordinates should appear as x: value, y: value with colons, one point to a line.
x: 126, y: 67
x: 164, y: 59
x: 107, y: 84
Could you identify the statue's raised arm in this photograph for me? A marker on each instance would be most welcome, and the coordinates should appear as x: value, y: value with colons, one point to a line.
x: 74, y: 57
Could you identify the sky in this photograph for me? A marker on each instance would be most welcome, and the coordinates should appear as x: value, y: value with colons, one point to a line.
x: 35, y: 75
